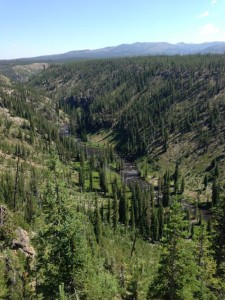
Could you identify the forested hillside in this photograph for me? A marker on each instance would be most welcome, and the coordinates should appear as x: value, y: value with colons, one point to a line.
x: 20, y: 71
x: 59, y: 209
x: 112, y: 180
x: 164, y: 108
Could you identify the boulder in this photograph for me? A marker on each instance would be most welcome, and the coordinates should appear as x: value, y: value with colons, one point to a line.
x: 22, y: 242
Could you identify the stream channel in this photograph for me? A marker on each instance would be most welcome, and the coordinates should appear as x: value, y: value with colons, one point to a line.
x: 131, y: 175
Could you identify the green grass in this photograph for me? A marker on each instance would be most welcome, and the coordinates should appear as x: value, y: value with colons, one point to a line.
x: 101, y: 138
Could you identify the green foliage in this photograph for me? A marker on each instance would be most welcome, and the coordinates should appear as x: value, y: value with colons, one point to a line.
x: 62, y: 252
x: 103, y: 180
x: 161, y: 107
x: 182, y: 187
x: 206, y: 264
x: 215, y: 191
x: 123, y: 207
x: 3, y: 283
x: 177, y: 273
x: 145, y: 100
x: 166, y: 189
x: 176, y: 178
x: 82, y: 178
x: 15, y: 276
x: 205, y: 181
x: 115, y: 217
x: 97, y: 222
x: 218, y: 236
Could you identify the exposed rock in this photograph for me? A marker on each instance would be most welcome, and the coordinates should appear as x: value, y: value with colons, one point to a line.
x: 3, y: 215
x: 22, y: 242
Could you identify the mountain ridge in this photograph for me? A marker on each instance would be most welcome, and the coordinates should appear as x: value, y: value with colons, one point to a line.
x: 134, y: 49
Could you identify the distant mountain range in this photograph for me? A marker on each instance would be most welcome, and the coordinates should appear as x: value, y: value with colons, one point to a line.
x: 137, y: 49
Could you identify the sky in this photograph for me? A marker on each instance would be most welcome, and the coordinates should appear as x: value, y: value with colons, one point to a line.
x: 39, y: 27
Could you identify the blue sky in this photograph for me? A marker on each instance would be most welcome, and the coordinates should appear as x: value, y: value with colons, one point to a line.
x: 37, y: 27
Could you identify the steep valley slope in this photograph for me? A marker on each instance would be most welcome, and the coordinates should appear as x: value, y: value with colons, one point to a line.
x: 63, y: 186
x: 160, y: 110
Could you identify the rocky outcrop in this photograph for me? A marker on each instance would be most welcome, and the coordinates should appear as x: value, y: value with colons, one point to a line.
x: 22, y: 242
x: 3, y: 215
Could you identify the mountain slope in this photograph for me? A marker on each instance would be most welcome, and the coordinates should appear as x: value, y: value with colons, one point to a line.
x: 20, y: 71
x: 97, y: 232
x: 48, y: 240
x: 168, y: 108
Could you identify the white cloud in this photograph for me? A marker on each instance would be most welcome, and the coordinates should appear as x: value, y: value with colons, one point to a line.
x: 213, y: 1
x: 209, y: 33
x: 208, y: 29
x: 204, y: 14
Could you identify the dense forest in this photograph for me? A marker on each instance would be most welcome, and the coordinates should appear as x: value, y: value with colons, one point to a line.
x: 112, y: 179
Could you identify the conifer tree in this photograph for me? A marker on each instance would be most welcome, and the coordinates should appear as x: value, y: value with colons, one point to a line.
x: 97, y: 222
x: 215, y: 192
x: 166, y: 139
x: 205, y: 181
x: 109, y: 212
x: 82, y: 179
x: 182, y: 187
x: 176, y: 178
x: 216, y: 170
x: 159, y: 189
x: 155, y: 225
x: 135, y: 205
x: 160, y: 220
x: 166, y: 189
x: 103, y: 180
x: 206, y: 263
x: 115, y: 216
x: 91, y: 180
x: 177, y: 276
x: 61, y: 247
x: 92, y: 161
x: 152, y: 195
x: 139, y: 206
x: 123, y: 208
x: 218, y: 236
x: 132, y: 217
x: 146, y: 218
